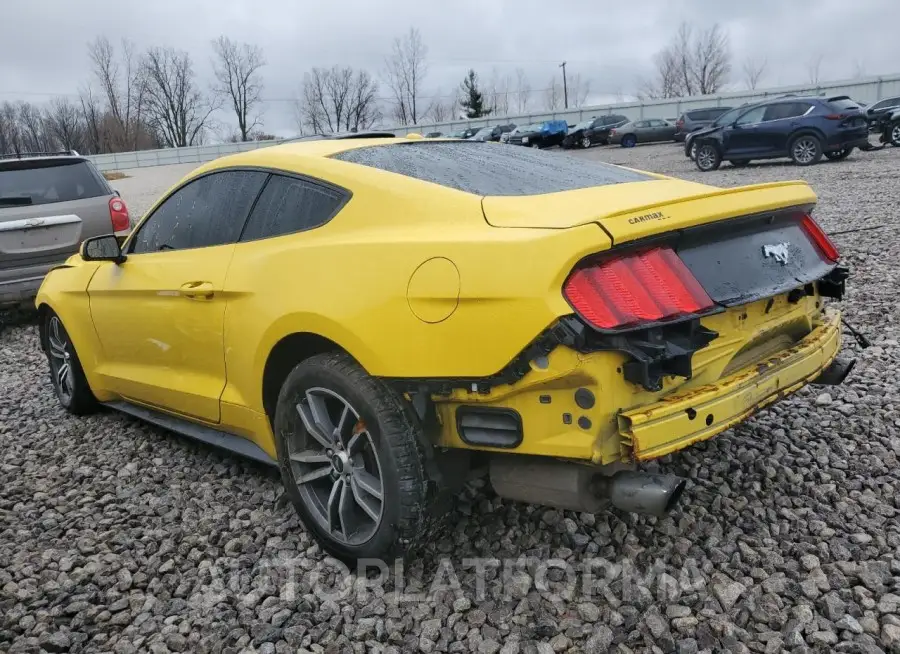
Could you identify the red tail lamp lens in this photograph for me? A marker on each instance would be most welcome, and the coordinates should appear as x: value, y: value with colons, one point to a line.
x: 118, y: 214
x: 644, y: 287
x: 820, y: 238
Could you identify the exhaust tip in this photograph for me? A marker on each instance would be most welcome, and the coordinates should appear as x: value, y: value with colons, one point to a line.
x: 643, y: 492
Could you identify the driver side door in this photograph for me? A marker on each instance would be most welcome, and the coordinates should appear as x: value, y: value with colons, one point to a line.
x: 744, y: 138
x: 159, y: 315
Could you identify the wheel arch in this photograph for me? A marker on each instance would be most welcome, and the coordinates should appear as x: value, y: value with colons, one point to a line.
x: 807, y: 131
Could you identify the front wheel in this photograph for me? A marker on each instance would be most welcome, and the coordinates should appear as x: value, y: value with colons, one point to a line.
x: 629, y: 141
x: 693, y: 152
x: 351, y: 459
x: 66, y: 374
x: 535, y: 146
x: 806, y: 150
x: 708, y: 158
x: 837, y: 155
x: 586, y: 142
x: 895, y: 134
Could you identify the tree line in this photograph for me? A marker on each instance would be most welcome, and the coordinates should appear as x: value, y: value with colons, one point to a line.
x: 138, y: 100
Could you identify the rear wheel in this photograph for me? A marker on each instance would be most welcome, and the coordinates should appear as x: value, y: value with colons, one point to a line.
x: 895, y: 134
x: 629, y: 141
x: 351, y: 459
x: 806, y: 150
x: 66, y: 373
x: 708, y: 158
x: 693, y: 151
x: 837, y: 155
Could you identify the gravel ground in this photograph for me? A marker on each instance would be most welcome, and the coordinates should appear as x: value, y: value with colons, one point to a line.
x: 117, y: 536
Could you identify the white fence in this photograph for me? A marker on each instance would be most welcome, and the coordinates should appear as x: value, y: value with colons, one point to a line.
x: 866, y: 89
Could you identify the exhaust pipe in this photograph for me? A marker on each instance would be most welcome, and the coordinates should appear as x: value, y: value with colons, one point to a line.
x: 578, y: 487
x: 642, y: 492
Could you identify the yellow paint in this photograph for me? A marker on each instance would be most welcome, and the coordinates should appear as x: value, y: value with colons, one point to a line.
x: 413, y: 280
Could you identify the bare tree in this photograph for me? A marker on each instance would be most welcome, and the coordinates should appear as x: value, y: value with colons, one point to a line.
x: 176, y: 108
x: 498, y: 93
x: 553, y: 95
x: 338, y: 99
x: 754, y: 69
x: 10, y: 136
x: 64, y: 123
x: 123, y: 84
x: 442, y: 108
x: 405, y: 73
x: 523, y: 91
x: 813, y: 68
x: 579, y: 89
x: 91, y: 117
x: 238, y: 79
x: 32, y: 129
x: 694, y: 62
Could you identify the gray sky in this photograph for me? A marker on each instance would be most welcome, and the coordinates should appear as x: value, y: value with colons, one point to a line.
x: 43, y: 53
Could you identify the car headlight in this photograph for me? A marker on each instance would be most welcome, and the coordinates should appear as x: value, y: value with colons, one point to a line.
x: 524, y: 139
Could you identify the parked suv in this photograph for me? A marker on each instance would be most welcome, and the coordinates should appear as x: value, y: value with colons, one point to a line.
x: 695, y: 119
x: 595, y: 130
x: 802, y: 128
x: 540, y: 135
x: 49, y: 203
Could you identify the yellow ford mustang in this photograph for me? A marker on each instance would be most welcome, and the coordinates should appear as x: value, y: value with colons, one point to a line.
x: 381, y: 317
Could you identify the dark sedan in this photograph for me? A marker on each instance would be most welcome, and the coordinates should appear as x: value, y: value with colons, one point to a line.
x: 595, y: 130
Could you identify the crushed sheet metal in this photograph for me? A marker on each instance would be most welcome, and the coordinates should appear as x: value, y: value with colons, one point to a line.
x: 682, y: 419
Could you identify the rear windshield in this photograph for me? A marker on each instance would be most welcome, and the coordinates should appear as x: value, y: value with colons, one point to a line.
x: 488, y: 169
x: 28, y: 182
x: 843, y: 103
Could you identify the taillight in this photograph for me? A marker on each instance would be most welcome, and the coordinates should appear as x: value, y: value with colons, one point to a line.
x: 612, y: 132
x: 642, y: 287
x: 820, y: 238
x: 118, y: 214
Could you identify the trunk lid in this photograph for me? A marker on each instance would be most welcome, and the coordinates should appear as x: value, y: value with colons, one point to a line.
x: 635, y: 210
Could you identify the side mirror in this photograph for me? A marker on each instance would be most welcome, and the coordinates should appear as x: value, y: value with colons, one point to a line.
x: 102, y: 248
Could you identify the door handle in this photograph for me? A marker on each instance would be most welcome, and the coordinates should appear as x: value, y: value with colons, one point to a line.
x: 197, y: 290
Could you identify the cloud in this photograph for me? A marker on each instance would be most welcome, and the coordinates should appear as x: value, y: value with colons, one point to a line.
x: 43, y: 50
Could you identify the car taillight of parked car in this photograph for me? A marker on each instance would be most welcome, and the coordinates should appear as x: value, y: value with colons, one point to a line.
x: 118, y: 214
x: 824, y: 244
x: 624, y: 292
x: 612, y: 132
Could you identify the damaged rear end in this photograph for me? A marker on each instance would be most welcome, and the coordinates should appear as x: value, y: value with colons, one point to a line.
x: 710, y: 305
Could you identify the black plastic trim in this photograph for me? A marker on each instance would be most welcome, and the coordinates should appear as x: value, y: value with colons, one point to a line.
x: 513, y: 415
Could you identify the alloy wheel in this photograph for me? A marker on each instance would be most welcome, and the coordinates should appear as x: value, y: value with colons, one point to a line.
x: 895, y: 134
x: 336, y: 468
x: 693, y: 151
x: 61, y: 360
x: 586, y: 142
x: 805, y: 150
x: 706, y: 158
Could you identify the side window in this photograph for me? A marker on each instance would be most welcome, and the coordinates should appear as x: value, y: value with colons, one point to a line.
x: 641, y: 123
x: 208, y: 211
x: 288, y: 204
x: 755, y: 115
x: 699, y: 115
x: 658, y: 123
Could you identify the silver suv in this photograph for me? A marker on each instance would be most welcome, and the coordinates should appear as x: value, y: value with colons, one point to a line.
x: 49, y: 203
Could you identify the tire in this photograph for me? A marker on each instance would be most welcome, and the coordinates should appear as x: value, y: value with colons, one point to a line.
x: 692, y: 152
x: 536, y: 146
x: 66, y: 374
x: 376, y: 449
x: 739, y: 163
x: 629, y: 141
x: 806, y: 150
x: 837, y: 155
x: 708, y: 158
x: 895, y: 134
x: 586, y: 142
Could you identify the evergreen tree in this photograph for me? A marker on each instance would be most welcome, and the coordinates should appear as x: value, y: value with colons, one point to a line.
x: 472, y: 98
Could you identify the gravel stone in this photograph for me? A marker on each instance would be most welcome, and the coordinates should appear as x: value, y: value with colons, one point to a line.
x: 113, y: 532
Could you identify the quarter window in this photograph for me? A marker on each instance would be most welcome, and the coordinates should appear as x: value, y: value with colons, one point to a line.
x: 289, y: 204
x: 210, y: 210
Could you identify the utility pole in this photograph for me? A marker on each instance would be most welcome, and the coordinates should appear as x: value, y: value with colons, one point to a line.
x: 565, y: 87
